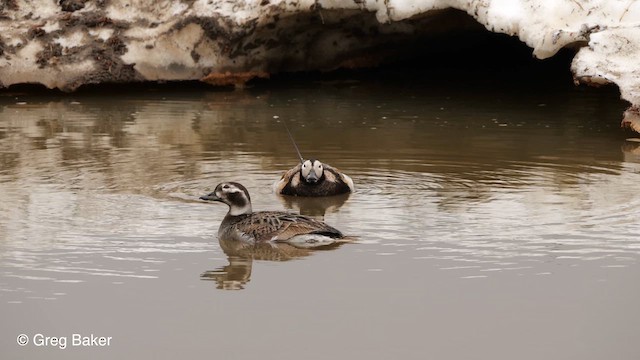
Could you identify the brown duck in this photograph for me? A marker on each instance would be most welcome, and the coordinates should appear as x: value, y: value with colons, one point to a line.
x: 242, y: 224
x: 312, y: 178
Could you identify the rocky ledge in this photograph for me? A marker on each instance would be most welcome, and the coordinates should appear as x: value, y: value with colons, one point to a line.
x: 68, y: 43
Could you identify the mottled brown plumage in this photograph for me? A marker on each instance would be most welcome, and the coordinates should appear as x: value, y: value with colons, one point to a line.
x: 242, y: 224
x: 274, y: 226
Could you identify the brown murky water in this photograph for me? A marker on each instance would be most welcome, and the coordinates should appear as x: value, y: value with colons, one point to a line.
x: 493, y: 223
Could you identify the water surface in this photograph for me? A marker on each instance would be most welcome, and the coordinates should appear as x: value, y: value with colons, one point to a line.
x: 493, y: 222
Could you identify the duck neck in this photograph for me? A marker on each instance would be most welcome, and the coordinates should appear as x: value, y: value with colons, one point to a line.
x: 239, y: 210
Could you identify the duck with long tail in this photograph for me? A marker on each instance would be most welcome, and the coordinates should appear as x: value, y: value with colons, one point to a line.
x: 243, y: 224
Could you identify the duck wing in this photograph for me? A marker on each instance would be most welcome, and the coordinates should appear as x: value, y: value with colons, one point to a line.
x: 281, y: 226
x: 337, y: 175
x: 289, y: 176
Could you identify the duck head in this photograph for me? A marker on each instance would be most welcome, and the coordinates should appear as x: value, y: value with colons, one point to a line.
x: 312, y: 171
x: 233, y: 194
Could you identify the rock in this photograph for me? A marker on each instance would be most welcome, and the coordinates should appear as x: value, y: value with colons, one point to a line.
x: 68, y: 43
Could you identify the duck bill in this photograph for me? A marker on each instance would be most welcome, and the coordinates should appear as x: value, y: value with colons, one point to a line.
x: 210, y: 197
x: 312, y: 178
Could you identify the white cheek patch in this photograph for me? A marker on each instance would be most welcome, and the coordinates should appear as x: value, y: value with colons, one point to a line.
x: 306, y: 168
x: 232, y: 189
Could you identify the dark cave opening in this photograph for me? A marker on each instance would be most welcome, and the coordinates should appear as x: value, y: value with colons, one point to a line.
x: 453, y: 50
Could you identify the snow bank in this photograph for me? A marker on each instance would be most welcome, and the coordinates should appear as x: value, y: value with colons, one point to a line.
x: 68, y: 43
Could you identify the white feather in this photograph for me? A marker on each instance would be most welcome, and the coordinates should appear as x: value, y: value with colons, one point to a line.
x: 308, y: 241
x: 347, y: 181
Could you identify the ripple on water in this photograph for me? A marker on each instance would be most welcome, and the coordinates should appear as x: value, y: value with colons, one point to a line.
x: 536, y: 212
x: 111, y: 191
x: 71, y: 238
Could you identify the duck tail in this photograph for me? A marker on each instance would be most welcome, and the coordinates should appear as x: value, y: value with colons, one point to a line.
x: 284, y: 122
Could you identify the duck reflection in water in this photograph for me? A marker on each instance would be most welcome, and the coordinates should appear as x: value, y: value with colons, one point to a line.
x: 315, y: 207
x: 263, y: 235
x: 240, y: 256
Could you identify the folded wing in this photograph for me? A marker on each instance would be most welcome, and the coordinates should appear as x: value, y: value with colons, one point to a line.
x: 278, y: 226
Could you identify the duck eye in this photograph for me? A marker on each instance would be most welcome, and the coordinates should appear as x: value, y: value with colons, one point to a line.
x: 225, y: 187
